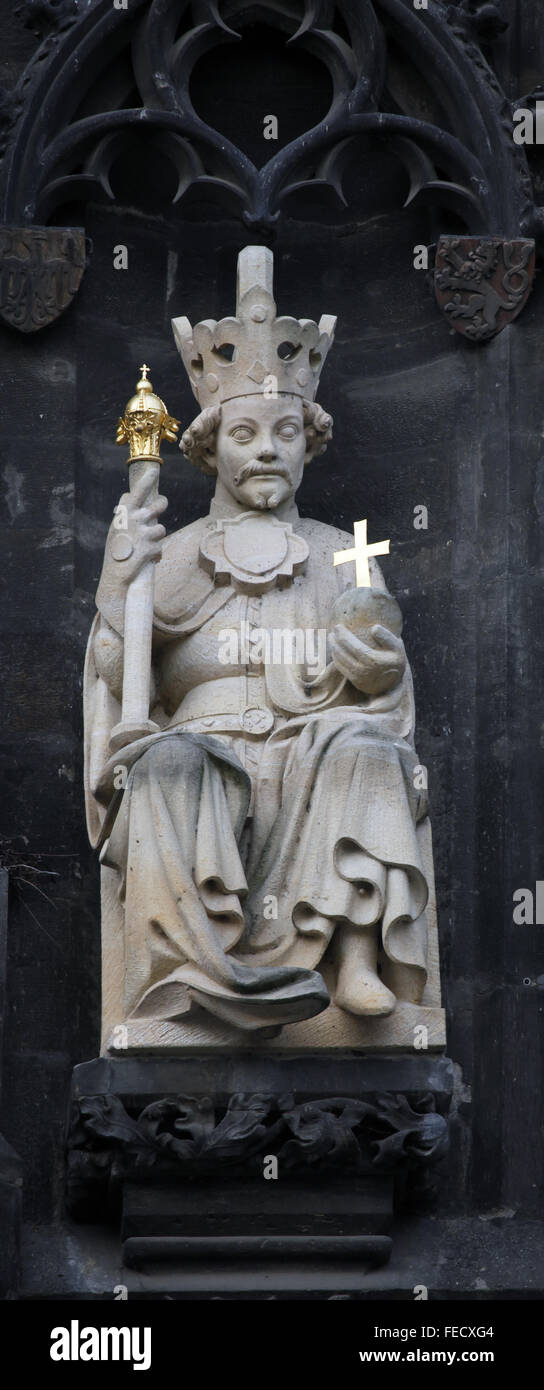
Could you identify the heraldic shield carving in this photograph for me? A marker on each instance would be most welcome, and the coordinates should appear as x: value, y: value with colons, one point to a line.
x: 482, y: 283
x: 40, y: 272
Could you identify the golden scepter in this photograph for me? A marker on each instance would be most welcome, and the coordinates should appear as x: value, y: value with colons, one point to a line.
x: 143, y: 426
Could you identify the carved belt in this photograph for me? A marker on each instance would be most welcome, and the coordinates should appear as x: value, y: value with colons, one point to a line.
x: 233, y: 704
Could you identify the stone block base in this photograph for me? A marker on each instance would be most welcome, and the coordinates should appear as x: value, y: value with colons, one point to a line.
x: 256, y: 1220
x: 410, y: 1025
x: 244, y: 1159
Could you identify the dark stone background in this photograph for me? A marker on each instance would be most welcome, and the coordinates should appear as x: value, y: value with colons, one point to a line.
x: 420, y: 417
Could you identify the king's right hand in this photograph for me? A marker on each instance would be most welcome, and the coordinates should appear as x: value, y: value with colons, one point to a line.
x: 135, y: 536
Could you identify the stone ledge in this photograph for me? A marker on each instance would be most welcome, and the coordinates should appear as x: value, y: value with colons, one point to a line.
x: 332, y: 1029
x: 222, y: 1074
x: 477, y: 1259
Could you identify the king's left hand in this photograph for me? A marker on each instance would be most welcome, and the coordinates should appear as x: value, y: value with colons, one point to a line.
x: 371, y: 669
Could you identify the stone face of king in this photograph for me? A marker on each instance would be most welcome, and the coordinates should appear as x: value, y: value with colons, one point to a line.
x: 266, y: 851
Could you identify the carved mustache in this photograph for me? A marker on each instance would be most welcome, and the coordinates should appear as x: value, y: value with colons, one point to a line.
x: 256, y: 468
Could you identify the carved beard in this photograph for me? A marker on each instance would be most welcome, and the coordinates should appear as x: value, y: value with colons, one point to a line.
x: 269, y: 497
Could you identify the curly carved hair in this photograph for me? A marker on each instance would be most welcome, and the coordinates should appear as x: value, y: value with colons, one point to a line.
x: 198, y: 440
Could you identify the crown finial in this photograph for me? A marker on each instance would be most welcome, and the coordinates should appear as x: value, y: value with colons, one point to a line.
x: 254, y: 351
x: 255, y: 270
x: 146, y: 422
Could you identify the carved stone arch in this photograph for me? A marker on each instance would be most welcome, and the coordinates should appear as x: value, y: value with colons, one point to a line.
x: 60, y: 142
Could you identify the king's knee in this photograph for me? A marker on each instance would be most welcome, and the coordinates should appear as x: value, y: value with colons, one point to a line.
x: 170, y: 757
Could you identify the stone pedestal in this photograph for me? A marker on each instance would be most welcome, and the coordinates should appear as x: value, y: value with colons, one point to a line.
x: 222, y: 1164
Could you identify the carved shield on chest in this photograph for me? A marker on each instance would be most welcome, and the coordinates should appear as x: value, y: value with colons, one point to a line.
x: 40, y: 272
x: 483, y: 283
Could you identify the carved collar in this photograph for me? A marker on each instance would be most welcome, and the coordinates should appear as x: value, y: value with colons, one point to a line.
x: 254, y: 551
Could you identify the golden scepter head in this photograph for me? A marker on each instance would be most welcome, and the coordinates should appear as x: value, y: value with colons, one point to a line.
x: 146, y: 422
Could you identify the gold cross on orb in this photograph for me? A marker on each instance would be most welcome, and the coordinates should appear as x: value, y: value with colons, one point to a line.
x: 360, y: 553
x: 144, y: 371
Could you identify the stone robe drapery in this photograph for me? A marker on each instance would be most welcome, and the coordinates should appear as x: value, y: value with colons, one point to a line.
x: 231, y: 916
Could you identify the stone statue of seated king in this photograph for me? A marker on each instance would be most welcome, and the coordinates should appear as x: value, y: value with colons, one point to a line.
x: 265, y: 853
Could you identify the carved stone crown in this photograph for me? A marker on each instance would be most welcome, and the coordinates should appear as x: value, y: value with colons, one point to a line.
x: 254, y: 353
